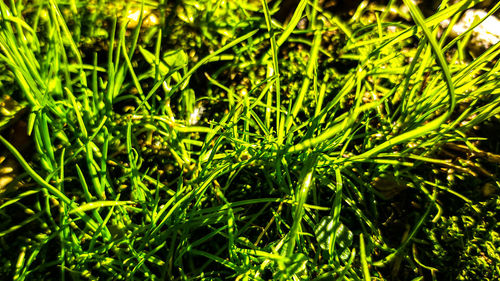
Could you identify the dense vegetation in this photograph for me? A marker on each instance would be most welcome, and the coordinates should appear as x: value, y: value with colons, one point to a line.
x: 246, y: 140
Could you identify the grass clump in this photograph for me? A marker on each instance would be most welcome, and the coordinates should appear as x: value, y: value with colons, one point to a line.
x: 207, y: 140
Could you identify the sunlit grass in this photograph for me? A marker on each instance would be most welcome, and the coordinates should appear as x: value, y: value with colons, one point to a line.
x: 218, y: 143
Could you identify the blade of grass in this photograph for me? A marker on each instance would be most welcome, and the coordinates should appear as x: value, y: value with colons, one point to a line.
x: 273, y: 69
x: 311, y: 66
x: 302, y: 192
x: 364, y: 263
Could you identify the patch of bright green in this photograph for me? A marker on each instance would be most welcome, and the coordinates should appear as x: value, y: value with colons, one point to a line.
x: 207, y: 140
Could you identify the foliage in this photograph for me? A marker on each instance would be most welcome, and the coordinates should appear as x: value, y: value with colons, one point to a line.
x: 206, y: 140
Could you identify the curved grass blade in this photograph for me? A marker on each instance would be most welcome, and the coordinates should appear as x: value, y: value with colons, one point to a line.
x: 99, y: 204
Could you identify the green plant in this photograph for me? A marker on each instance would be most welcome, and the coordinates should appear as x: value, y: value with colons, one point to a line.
x: 221, y: 144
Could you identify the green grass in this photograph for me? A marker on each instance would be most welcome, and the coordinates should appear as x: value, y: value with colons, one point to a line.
x: 221, y: 144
